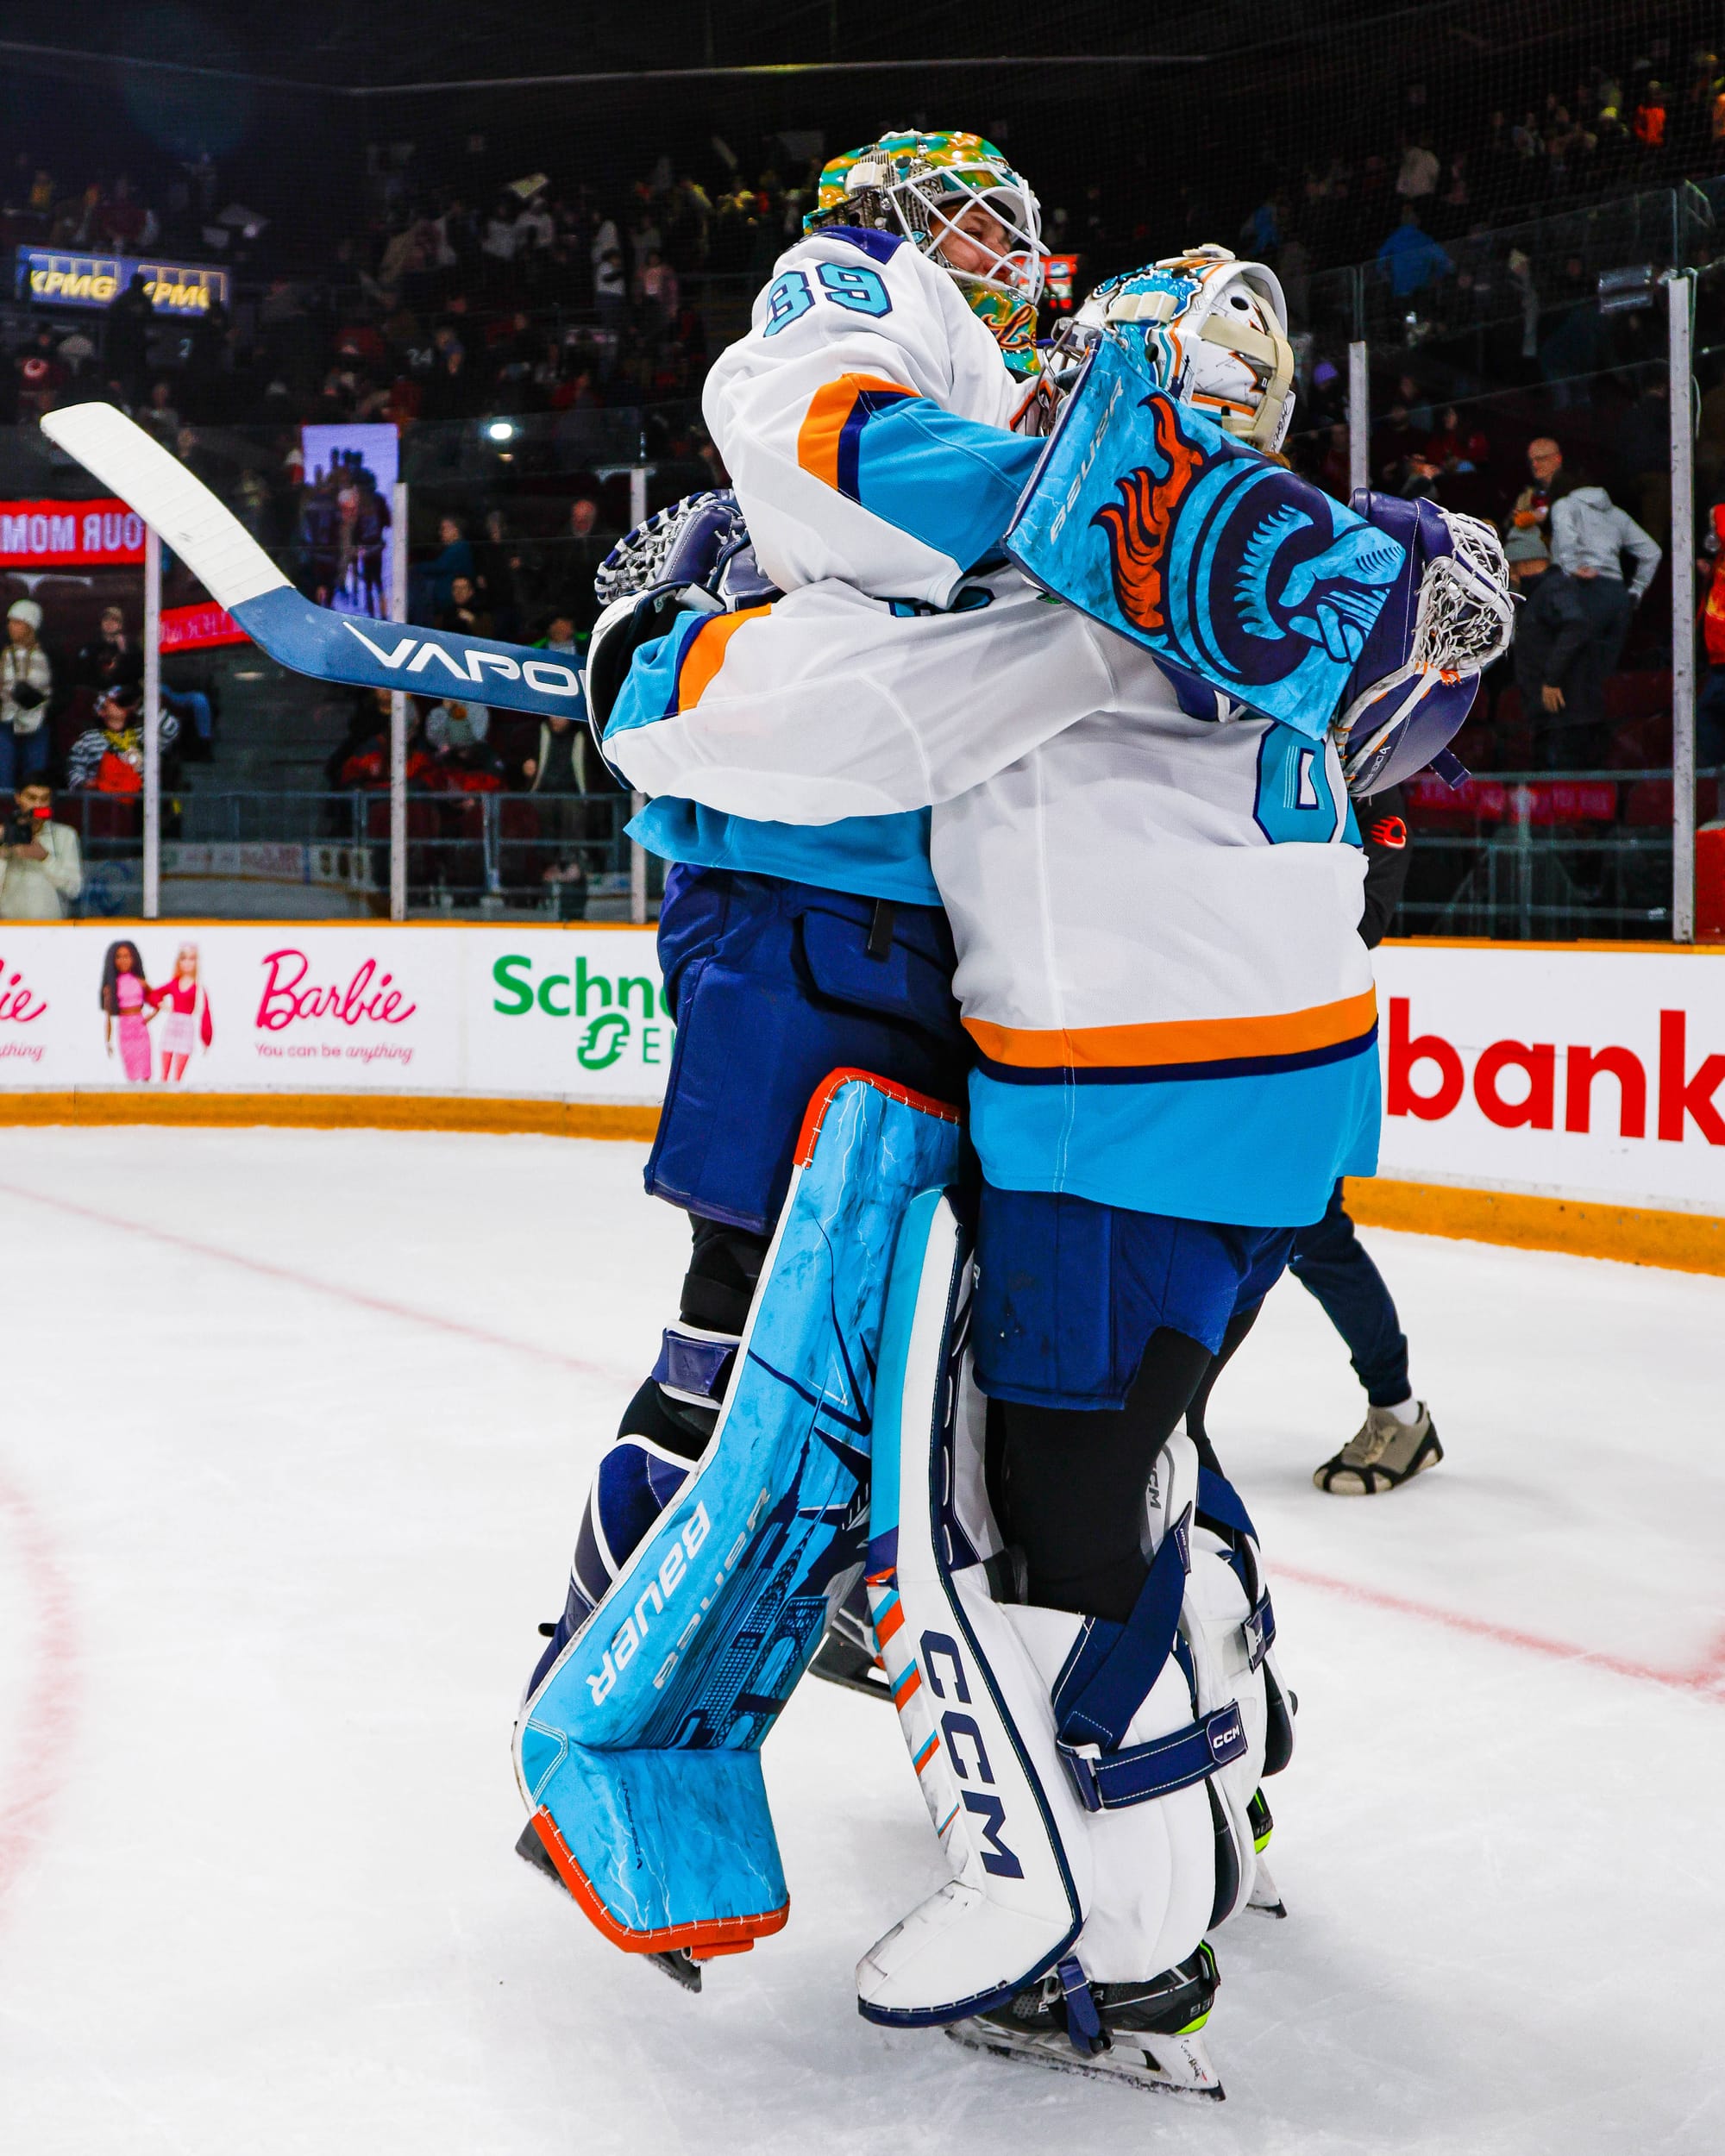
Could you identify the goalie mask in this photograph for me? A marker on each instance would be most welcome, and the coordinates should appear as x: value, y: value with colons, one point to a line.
x: 923, y: 187
x: 1446, y: 620
x: 1214, y: 332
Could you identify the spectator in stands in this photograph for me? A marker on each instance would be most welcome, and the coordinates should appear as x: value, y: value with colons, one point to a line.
x: 611, y: 299
x: 454, y: 725
x: 126, y: 335
x: 159, y: 416
x: 43, y: 873
x: 1709, y: 705
x: 1557, y: 657
x: 561, y: 765
x: 1417, y: 180
x: 1590, y: 537
x: 464, y: 760
x: 500, y: 241
x: 368, y: 724
x: 584, y: 517
x: 40, y: 374
x: 194, y: 705
x: 560, y: 635
x: 465, y: 615
x: 26, y: 683
x: 1413, y: 258
x: 365, y: 755
x: 658, y: 292
x: 1532, y: 506
x: 433, y: 581
x: 111, y: 656
x: 109, y: 756
x: 500, y: 564
x: 451, y: 390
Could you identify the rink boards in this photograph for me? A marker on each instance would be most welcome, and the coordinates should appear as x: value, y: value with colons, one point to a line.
x: 1560, y: 1096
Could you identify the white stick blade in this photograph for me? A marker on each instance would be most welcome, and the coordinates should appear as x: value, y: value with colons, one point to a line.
x: 213, y: 543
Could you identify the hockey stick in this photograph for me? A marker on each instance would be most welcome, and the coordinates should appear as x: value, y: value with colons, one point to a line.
x: 314, y: 640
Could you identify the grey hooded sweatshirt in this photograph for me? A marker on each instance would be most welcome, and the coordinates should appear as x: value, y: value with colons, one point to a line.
x: 1590, y: 533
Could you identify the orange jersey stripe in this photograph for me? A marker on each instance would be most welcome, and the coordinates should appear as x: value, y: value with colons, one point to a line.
x: 704, y: 654
x: 1176, y: 1040
x: 831, y: 404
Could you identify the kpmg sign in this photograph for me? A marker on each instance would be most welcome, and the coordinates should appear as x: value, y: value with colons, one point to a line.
x: 97, y: 280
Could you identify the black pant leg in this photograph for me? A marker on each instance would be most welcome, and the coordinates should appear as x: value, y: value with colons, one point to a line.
x: 1075, y: 1480
x: 1240, y: 1324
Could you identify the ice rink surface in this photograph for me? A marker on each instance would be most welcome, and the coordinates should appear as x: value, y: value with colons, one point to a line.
x: 294, y: 1434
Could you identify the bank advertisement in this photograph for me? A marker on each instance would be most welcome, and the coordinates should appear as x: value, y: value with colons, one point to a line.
x: 546, y: 1014
x: 1584, y: 1073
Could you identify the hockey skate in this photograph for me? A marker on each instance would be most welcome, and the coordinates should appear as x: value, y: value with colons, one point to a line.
x: 846, y: 1655
x: 1148, y: 2035
x: 1266, y: 1896
x: 1382, y: 1455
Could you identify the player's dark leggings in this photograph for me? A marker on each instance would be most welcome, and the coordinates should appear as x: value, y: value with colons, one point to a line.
x: 1073, y: 1482
x: 724, y: 1272
x: 1330, y: 1262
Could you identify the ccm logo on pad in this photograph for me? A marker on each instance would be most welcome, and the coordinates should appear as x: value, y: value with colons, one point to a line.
x: 962, y: 1730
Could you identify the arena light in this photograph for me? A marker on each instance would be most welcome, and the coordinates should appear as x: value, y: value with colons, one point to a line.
x: 500, y: 429
x: 1627, y: 292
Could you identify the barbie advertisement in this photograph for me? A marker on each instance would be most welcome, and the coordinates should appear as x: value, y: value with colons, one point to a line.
x: 161, y: 1027
x: 543, y: 1011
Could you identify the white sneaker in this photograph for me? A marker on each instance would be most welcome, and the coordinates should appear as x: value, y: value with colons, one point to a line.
x: 1382, y: 1454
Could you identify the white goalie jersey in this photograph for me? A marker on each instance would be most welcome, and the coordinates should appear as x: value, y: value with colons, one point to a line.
x: 863, y: 422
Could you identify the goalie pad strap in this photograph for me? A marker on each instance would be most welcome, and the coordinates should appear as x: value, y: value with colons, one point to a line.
x: 695, y: 1368
x: 1113, y: 1668
x: 1221, y: 1508
x: 1260, y: 1631
x: 1109, y: 1783
x: 1083, y: 2021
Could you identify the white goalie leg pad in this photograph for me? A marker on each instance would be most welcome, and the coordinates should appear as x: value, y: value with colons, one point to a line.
x: 1060, y: 1758
x: 1212, y: 1623
x: 966, y: 1688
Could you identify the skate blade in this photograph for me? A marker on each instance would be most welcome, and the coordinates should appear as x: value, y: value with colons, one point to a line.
x: 532, y: 1851
x: 1180, y: 2065
x: 679, y: 1965
x: 851, y: 1669
x: 1266, y: 1896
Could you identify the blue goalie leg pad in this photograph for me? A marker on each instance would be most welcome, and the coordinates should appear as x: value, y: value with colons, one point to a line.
x: 637, y: 1750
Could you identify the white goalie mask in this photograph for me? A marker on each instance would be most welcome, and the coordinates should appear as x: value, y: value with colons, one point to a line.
x: 1215, y: 334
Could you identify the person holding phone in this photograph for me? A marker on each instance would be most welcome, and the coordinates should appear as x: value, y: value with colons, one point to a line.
x: 26, y: 683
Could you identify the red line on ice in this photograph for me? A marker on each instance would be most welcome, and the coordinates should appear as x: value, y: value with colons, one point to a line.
x: 43, y: 1745
x: 355, y: 1296
x: 1706, y: 1677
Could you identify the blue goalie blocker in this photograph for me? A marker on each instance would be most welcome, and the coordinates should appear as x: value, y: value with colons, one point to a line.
x: 1225, y: 566
x: 639, y: 1756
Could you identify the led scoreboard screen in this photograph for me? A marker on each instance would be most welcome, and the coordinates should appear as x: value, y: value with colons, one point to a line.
x: 56, y: 279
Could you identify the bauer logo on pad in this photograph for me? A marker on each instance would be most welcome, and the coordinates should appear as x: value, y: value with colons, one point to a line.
x: 1152, y: 521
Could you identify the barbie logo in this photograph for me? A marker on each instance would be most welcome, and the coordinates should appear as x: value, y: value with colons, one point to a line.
x: 290, y: 994
x: 17, y: 1006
